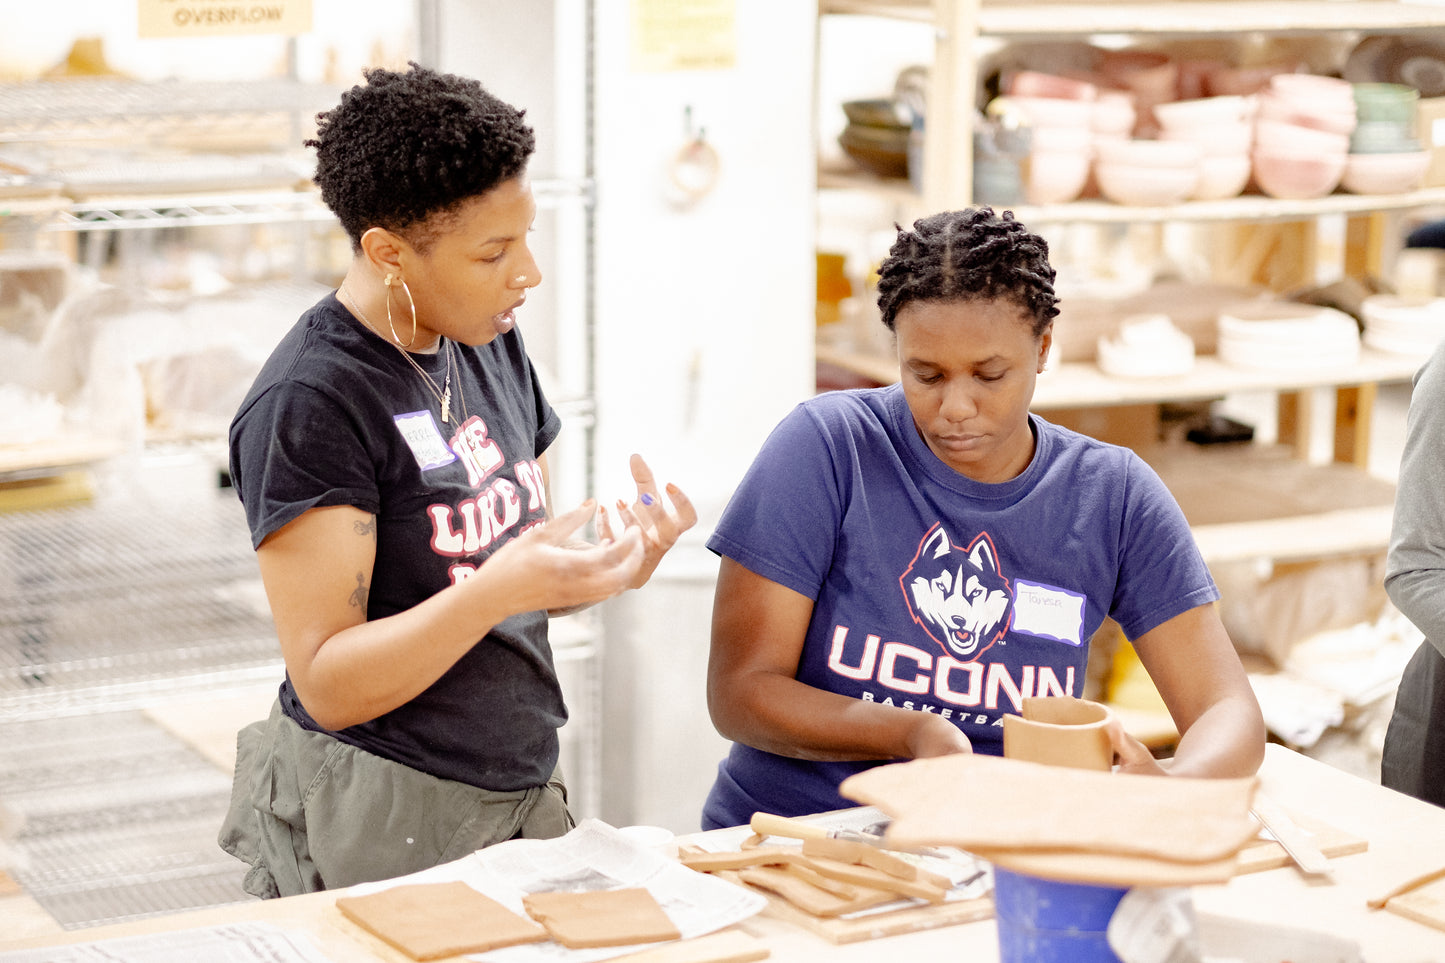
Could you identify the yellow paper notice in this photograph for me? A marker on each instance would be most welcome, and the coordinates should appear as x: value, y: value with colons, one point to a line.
x: 683, y: 35
x: 223, y: 18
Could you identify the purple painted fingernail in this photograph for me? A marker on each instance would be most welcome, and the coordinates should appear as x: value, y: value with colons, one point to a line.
x: 646, y: 498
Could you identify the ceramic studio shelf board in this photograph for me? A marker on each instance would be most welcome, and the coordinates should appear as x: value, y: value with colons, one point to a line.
x: 1022, y: 18
x: 1247, y: 501
x: 1245, y: 208
x: 1082, y: 384
x: 53, y: 456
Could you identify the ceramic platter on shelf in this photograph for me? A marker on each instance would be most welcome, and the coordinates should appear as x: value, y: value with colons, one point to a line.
x: 1283, y: 335
x: 1402, y: 325
x: 1145, y: 346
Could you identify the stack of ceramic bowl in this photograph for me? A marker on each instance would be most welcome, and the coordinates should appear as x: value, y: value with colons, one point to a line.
x: 1114, y: 115
x: 876, y: 136
x: 1223, y: 127
x: 1302, y: 135
x: 1061, y: 146
x: 1152, y: 77
x: 1037, y: 83
x: 1145, y: 346
x: 1286, y: 336
x: 1385, y: 156
x: 1144, y: 172
x: 1402, y: 325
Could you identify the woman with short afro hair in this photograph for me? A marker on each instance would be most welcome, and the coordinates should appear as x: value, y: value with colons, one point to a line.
x: 391, y: 458
x: 902, y: 566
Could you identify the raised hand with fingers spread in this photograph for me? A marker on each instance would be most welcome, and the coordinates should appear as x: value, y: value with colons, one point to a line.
x: 660, y: 520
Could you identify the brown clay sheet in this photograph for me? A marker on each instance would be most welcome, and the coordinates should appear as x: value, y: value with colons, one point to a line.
x: 979, y: 802
x: 1111, y: 869
x: 811, y: 898
x: 710, y: 862
x: 430, y: 920
x: 613, y: 917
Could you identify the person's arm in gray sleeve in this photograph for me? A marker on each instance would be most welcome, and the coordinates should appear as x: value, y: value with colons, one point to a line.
x: 1415, y: 566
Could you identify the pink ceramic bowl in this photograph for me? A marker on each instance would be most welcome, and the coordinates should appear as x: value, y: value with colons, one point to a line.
x: 1138, y: 185
x: 1313, y: 88
x: 1222, y: 176
x: 1152, y: 75
x: 1218, y: 139
x: 1224, y: 80
x: 1337, y: 118
x: 1277, y: 135
x: 1385, y: 173
x: 1079, y: 140
x: 1053, y: 111
x: 1296, y: 175
x: 1188, y: 114
x: 1140, y: 152
x: 1194, y: 77
x: 1056, y: 177
x: 1114, y: 114
x: 1034, y: 83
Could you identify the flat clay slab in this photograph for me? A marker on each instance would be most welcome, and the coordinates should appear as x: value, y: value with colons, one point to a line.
x: 1112, y: 869
x: 873, y: 926
x: 611, y: 917
x: 430, y: 920
x: 980, y: 802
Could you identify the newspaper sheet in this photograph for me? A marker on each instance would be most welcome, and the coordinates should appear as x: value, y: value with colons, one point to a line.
x: 594, y: 856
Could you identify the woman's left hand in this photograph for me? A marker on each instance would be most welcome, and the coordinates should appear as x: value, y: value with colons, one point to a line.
x: 1131, y: 755
x: 660, y: 520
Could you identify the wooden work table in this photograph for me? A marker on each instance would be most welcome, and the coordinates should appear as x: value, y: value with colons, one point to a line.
x: 1405, y: 838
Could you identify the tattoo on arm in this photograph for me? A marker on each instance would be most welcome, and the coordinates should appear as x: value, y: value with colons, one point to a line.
x: 362, y: 594
x: 367, y: 528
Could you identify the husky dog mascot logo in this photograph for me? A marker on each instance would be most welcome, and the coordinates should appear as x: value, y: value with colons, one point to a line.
x: 957, y: 594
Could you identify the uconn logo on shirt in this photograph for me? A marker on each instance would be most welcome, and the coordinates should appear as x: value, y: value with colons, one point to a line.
x: 965, y: 606
x: 957, y: 595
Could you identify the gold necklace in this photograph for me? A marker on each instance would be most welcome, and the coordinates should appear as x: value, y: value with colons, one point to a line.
x: 442, y: 393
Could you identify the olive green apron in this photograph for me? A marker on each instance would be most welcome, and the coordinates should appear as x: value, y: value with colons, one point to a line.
x: 310, y: 812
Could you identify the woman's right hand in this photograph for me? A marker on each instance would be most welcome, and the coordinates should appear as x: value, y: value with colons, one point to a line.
x: 548, y: 567
x: 755, y: 697
x: 935, y: 736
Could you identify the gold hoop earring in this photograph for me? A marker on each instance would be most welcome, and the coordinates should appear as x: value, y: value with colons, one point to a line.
x: 389, y: 280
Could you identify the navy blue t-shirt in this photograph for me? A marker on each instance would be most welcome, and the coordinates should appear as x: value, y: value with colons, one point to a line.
x: 338, y: 417
x: 938, y: 593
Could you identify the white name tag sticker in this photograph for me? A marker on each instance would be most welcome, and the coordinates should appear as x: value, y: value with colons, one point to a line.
x: 1048, y: 612
x: 427, y: 446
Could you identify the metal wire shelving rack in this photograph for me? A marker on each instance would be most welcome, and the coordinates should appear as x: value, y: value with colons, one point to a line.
x: 110, y: 605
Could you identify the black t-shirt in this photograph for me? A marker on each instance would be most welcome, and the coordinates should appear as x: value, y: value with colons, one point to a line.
x: 337, y: 417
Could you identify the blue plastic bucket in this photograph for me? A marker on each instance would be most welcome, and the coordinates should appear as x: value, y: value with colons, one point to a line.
x: 1043, y: 921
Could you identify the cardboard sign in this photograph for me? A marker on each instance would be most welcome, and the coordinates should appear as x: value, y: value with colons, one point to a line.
x: 672, y: 36
x: 223, y: 18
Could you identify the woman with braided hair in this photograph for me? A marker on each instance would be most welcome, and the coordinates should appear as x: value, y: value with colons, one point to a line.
x: 391, y: 458
x: 901, y: 566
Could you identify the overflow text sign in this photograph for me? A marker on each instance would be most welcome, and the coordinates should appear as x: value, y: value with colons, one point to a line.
x: 222, y: 18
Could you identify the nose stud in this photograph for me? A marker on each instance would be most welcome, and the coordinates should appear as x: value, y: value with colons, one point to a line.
x: 519, y: 279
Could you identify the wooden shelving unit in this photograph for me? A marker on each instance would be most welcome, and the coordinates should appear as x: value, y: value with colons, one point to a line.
x: 1358, y: 518
x: 958, y: 24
